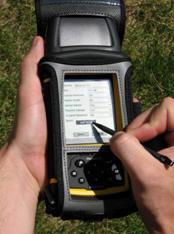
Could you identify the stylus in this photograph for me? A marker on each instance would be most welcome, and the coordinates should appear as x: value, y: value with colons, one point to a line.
x: 162, y: 158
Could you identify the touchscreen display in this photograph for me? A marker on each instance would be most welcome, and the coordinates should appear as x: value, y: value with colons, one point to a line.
x: 87, y: 100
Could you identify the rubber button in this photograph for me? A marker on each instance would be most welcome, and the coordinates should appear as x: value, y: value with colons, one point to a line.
x: 80, y: 163
x: 81, y: 180
x: 116, y: 171
x: 74, y: 173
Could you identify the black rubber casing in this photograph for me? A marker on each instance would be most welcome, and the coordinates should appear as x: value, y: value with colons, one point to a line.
x: 80, y: 59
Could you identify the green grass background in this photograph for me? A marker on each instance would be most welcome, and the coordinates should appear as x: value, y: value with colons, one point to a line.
x: 149, y: 41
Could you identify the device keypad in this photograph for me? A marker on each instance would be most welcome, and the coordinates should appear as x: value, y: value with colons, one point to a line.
x: 79, y: 163
x: 74, y: 173
x: 81, y: 180
x: 94, y: 171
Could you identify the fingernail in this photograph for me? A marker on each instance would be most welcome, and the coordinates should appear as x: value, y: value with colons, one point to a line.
x: 35, y: 42
x: 119, y: 133
x: 116, y: 135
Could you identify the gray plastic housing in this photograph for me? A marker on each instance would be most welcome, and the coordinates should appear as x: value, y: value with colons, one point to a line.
x: 101, y: 54
x: 86, y: 208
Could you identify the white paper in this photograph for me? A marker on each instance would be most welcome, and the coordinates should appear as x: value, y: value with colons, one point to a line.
x: 86, y: 101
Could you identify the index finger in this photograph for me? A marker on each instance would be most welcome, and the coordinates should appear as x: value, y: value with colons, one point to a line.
x: 154, y: 122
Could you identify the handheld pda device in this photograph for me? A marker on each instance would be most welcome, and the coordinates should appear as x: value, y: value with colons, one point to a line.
x: 85, y: 78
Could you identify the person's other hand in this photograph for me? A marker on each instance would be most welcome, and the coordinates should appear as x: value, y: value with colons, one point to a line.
x: 22, y: 159
x: 152, y: 182
x: 27, y: 143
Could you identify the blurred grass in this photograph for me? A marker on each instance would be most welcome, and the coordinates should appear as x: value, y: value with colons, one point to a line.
x: 149, y: 41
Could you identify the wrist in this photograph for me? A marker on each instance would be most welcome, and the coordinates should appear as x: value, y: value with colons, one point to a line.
x: 19, y: 194
x: 160, y: 222
x: 15, y: 173
x: 162, y: 228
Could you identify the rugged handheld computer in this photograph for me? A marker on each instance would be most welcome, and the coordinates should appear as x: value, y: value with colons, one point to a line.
x: 85, y: 78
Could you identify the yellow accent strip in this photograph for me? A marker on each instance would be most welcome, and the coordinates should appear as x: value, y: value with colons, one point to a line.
x: 86, y: 145
x: 91, y: 193
x: 102, y: 192
x: 53, y: 181
x: 118, y: 114
x: 47, y: 80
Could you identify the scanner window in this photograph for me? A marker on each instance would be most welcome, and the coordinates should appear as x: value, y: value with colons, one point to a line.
x: 84, y: 31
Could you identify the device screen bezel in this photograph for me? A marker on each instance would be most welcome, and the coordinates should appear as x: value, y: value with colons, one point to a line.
x: 116, y: 100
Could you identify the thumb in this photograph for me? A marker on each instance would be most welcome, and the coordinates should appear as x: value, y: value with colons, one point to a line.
x: 30, y: 87
x: 30, y: 61
x: 30, y: 117
x: 132, y: 154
